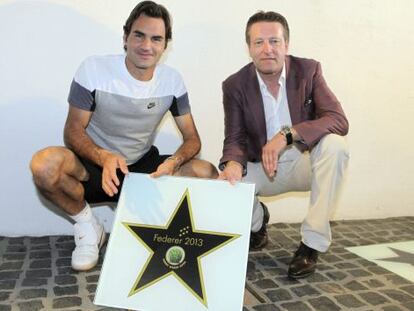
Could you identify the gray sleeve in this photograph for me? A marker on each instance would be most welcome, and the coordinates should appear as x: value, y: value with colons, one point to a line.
x: 81, y: 97
x: 180, y: 105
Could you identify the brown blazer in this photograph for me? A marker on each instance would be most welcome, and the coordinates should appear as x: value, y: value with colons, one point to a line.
x: 314, y: 110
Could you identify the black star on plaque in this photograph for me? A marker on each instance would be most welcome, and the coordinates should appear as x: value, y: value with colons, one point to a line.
x: 176, y: 249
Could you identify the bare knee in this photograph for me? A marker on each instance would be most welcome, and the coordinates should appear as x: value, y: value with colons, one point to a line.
x: 45, y: 166
x: 200, y: 169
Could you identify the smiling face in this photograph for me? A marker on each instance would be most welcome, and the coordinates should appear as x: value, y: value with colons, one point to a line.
x: 144, y: 46
x: 268, y: 47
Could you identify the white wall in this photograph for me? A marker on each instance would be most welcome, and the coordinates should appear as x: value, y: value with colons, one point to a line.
x: 365, y: 47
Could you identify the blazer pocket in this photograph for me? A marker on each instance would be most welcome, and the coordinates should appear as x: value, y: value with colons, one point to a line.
x: 309, y: 107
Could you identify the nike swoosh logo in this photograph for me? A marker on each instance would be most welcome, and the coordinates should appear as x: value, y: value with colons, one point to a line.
x: 81, y: 237
x: 151, y: 105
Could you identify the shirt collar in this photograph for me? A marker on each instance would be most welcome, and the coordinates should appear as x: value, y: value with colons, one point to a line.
x: 282, y: 78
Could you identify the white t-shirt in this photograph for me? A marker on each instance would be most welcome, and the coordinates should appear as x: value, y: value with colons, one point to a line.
x: 126, y: 111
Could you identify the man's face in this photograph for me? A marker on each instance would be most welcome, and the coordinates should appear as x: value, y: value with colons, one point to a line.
x: 145, y: 44
x: 267, y: 47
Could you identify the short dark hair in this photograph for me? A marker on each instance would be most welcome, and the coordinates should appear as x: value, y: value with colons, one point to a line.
x: 150, y: 9
x: 269, y: 16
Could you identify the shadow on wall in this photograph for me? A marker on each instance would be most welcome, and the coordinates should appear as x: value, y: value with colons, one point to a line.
x: 42, y: 46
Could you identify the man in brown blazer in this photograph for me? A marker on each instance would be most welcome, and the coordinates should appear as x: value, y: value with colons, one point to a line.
x: 284, y: 132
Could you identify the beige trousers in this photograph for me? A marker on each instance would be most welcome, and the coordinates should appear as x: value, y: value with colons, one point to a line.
x: 320, y: 171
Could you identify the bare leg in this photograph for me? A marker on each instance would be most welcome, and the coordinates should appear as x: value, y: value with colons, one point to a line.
x: 58, y: 173
x: 198, y: 168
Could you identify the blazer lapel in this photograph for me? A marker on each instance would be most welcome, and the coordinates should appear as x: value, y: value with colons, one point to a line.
x: 292, y: 90
x: 255, y: 103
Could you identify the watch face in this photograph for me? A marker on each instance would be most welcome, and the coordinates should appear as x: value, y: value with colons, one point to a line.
x: 288, y: 134
x: 285, y: 130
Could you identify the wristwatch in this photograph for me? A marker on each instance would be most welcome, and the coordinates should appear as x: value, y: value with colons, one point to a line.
x: 285, y: 131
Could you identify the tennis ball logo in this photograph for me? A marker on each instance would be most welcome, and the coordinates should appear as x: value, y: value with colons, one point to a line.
x: 175, y: 255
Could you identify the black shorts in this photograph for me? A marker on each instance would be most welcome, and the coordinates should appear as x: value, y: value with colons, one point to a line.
x: 93, y: 187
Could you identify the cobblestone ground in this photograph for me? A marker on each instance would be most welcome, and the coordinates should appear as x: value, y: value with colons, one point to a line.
x: 35, y: 273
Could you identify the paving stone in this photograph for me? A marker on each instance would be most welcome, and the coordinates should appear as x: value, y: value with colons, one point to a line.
x: 39, y: 247
x: 94, y: 278
x: 397, y: 280
x: 373, y: 283
x: 331, y: 288
x: 33, y: 305
x: 62, y: 239
x: 279, y: 253
x: 316, y: 277
x: 304, y: 290
x: 277, y: 295
x: 295, y: 306
x: 285, y: 260
x: 409, y: 305
x: 267, y: 307
x: 330, y: 258
x: 324, y: 267
x: 65, y: 253
x: 359, y: 273
x: 7, y: 284
x: 64, y: 262
x: 391, y: 308
x: 265, y: 284
x: 11, y: 265
x: 66, y: 290
x: 66, y: 246
x: 16, y: 249
x: 397, y: 295
x: 14, y: 256
x: 336, y: 275
x: 264, y: 259
x: 4, y: 296
x: 66, y: 270
x: 323, y: 304
x: 40, y: 273
x: 39, y: 264
x: 40, y: 240
x: 66, y: 302
x: 409, y: 289
x: 65, y: 279
x: 33, y: 293
x: 355, y: 286
x: 254, y: 275
x: 345, y: 266
x: 346, y: 243
x: 10, y: 275
x: 378, y: 270
x: 348, y: 256
x: 365, y: 263
x: 349, y: 301
x: 40, y: 255
x: 33, y: 282
x: 14, y: 241
x: 286, y: 281
x: 373, y: 298
x: 91, y: 288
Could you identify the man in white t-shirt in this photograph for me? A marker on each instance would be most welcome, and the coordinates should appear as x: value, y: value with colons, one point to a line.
x: 115, y: 105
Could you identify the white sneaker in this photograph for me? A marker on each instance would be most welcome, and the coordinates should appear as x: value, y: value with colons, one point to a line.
x: 89, y: 238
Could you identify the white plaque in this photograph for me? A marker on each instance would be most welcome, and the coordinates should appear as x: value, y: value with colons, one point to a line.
x: 177, y: 243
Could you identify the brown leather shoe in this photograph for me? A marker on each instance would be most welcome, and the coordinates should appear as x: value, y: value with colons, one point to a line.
x: 259, y: 239
x: 303, y: 263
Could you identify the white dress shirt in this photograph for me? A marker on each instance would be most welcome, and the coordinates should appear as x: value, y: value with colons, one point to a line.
x: 276, y: 109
